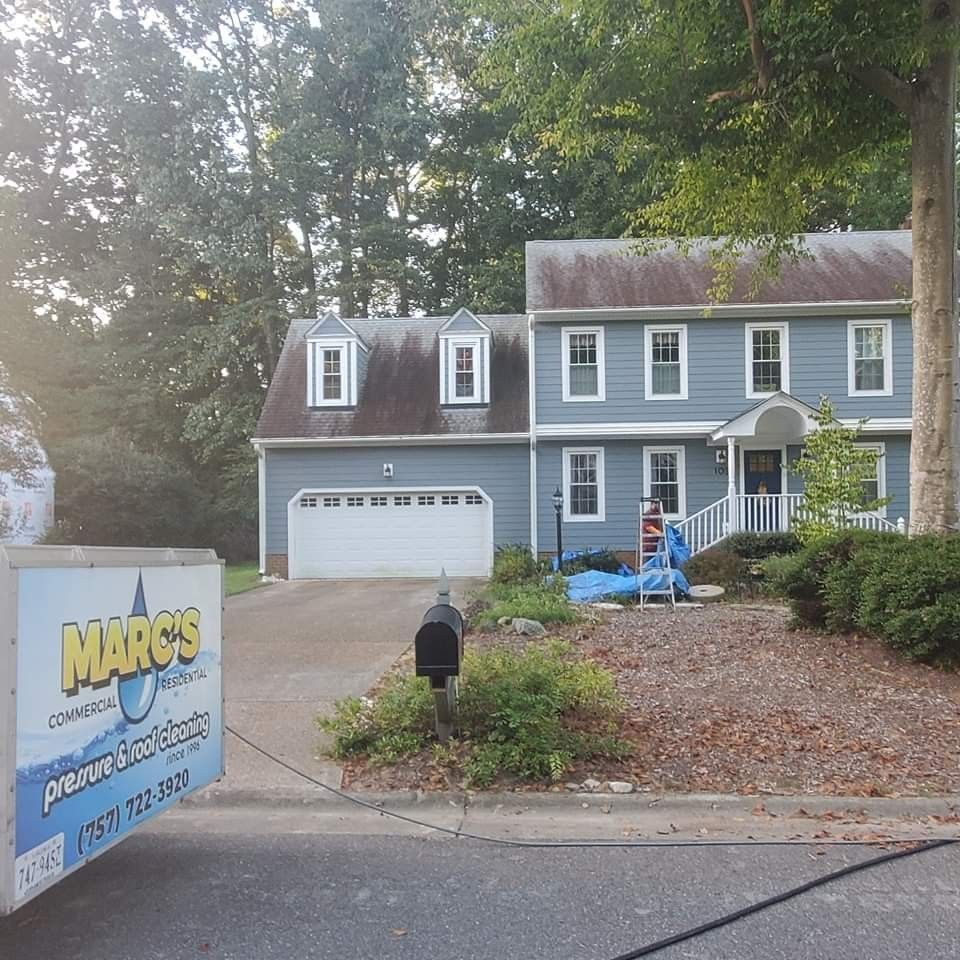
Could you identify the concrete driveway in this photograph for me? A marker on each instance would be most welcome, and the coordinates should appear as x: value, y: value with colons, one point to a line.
x: 290, y: 650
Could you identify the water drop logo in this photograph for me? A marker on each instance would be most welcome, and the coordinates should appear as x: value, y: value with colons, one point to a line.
x: 137, y: 693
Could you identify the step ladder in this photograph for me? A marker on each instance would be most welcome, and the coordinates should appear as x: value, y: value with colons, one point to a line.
x: 652, y: 544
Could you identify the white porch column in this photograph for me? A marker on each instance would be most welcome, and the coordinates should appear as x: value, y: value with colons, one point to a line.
x: 731, y: 487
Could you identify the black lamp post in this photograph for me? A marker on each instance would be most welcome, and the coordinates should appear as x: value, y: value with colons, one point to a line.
x: 558, y: 510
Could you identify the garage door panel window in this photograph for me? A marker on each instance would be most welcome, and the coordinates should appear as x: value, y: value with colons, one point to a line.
x: 426, y: 500
x: 354, y: 501
x: 331, y: 501
x: 449, y: 500
x: 378, y: 501
x: 402, y: 501
x: 583, y: 494
x: 308, y: 503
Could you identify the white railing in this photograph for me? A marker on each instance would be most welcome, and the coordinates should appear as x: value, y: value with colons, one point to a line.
x: 706, y: 527
x: 762, y: 513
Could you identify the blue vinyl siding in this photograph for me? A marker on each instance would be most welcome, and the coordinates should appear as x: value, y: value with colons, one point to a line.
x: 717, y: 374
x: 706, y: 483
x: 501, y: 470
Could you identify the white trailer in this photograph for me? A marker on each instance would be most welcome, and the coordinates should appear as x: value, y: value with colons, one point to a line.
x: 111, y: 700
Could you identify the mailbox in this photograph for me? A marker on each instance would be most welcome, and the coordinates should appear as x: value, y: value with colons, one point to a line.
x: 439, y: 642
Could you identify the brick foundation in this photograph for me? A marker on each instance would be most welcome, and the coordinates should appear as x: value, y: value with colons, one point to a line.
x: 277, y: 565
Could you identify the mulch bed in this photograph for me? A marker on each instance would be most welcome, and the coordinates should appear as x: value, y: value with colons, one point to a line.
x: 726, y: 698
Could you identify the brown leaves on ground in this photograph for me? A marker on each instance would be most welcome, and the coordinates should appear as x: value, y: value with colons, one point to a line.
x: 727, y: 699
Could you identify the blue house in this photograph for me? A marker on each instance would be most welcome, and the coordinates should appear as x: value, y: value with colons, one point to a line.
x: 392, y: 447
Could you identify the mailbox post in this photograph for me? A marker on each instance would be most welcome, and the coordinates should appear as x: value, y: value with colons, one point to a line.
x: 438, y: 649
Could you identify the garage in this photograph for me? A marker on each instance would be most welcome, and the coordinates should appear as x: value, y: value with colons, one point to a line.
x: 362, y: 534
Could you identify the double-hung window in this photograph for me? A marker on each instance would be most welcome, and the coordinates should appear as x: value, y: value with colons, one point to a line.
x: 583, y: 497
x: 583, y: 363
x: 768, y: 359
x: 464, y: 374
x: 664, y: 479
x: 869, y: 358
x: 331, y: 380
x: 665, y: 367
x: 875, y: 486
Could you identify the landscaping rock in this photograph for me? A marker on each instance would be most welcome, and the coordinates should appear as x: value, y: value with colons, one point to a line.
x: 706, y: 591
x: 528, y: 628
x: 504, y: 622
x: 607, y: 606
x: 592, y: 785
x: 620, y: 786
x: 573, y: 787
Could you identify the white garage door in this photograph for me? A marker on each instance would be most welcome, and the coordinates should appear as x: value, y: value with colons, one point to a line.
x: 360, y: 534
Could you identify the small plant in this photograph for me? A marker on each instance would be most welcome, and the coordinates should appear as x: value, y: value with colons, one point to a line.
x: 835, y: 471
x: 759, y: 546
x: 544, y: 601
x: 530, y: 714
x: 719, y: 567
x: 604, y: 560
x: 514, y: 563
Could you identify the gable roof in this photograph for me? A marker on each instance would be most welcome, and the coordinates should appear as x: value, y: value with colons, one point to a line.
x: 400, y: 389
x: 330, y: 325
x: 585, y: 274
x: 463, y: 321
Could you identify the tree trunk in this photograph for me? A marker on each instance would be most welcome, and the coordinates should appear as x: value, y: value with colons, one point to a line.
x: 933, y: 467
x: 309, y: 270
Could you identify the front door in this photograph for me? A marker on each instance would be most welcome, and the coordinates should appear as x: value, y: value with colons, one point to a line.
x: 762, y: 482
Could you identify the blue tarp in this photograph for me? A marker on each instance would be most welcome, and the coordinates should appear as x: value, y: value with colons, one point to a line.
x: 593, y: 585
x: 571, y: 555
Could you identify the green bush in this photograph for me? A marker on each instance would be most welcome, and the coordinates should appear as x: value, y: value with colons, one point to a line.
x: 545, y: 601
x: 911, y: 598
x: 514, y: 563
x: 759, y: 546
x: 530, y: 714
x: 604, y: 560
x: 717, y: 566
x: 801, y: 577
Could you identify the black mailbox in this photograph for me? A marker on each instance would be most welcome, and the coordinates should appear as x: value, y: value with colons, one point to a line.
x: 439, y: 642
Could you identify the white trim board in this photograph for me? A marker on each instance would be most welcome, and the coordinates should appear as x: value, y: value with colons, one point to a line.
x: 724, y: 310
x: 400, y: 440
x: 532, y: 417
x: 649, y: 428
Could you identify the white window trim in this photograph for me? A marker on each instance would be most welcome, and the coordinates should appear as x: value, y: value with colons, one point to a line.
x: 479, y: 360
x: 681, y: 453
x: 887, y: 390
x: 601, y: 514
x: 348, y: 373
x: 881, y: 448
x: 784, y: 329
x: 601, y: 394
x: 648, y: 331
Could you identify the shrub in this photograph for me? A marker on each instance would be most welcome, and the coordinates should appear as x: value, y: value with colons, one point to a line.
x: 759, y: 546
x: 802, y: 578
x: 717, y: 566
x: 911, y: 598
x: 514, y: 563
x: 545, y: 601
x: 529, y: 714
x: 604, y: 560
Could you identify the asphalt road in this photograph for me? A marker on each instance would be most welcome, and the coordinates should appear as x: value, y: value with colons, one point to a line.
x: 257, y: 895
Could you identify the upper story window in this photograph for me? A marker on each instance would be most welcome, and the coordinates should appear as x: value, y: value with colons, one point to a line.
x: 465, y: 345
x: 583, y: 363
x: 768, y: 359
x: 583, y: 494
x: 665, y: 362
x: 333, y: 367
x: 869, y: 358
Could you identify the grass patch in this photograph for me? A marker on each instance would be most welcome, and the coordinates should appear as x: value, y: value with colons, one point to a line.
x: 543, y: 601
x: 530, y: 715
x: 240, y: 577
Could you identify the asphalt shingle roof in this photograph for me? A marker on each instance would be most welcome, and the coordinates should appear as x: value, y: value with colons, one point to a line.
x: 572, y: 274
x: 400, y: 394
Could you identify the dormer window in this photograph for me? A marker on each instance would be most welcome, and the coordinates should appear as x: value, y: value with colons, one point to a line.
x: 333, y: 351
x: 465, y: 344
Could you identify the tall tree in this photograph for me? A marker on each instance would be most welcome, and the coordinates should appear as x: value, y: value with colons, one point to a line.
x: 748, y: 114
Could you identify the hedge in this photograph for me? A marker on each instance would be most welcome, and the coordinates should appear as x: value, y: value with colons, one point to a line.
x: 906, y: 592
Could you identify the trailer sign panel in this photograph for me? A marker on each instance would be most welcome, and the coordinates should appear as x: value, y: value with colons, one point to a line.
x: 118, y: 706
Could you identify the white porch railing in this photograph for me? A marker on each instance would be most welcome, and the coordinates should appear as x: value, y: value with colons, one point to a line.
x: 761, y: 513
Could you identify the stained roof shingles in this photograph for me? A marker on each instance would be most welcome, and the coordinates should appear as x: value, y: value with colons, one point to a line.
x: 399, y: 395
x: 583, y: 274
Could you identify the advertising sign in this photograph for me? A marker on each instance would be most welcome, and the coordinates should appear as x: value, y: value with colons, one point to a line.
x: 118, y: 705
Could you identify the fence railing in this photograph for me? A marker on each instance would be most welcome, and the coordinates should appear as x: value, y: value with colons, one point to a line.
x: 762, y: 513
